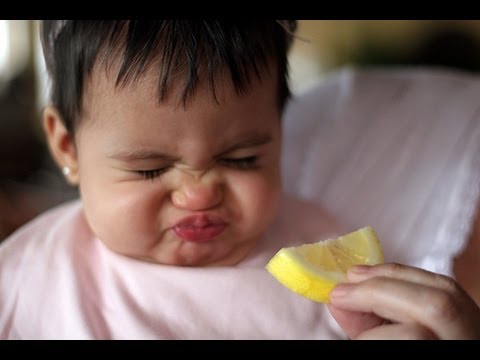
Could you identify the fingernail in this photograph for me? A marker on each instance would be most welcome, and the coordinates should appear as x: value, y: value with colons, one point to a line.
x: 360, y: 269
x: 341, y: 290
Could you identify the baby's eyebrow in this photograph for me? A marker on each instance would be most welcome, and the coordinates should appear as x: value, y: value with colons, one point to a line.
x: 141, y: 155
x: 144, y: 154
x: 255, y: 140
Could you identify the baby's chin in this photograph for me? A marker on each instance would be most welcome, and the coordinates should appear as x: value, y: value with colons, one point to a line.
x: 190, y: 257
x: 177, y: 252
x: 215, y: 257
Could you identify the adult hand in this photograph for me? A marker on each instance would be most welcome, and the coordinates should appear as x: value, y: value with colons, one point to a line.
x: 392, y: 301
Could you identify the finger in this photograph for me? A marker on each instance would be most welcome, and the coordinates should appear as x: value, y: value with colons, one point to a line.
x: 448, y: 316
x: 402, y: 272
x: 397, y: 332
x: 454, y: 294
x: 354, y: 323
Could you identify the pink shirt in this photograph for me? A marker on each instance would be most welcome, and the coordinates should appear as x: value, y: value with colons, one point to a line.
x: 58, y: 281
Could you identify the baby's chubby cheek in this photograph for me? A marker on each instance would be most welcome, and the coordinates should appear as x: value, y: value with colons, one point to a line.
x: 259, y: 202
x: 117, y: 215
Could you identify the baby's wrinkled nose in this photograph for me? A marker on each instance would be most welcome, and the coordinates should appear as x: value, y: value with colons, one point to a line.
x: 196, y: 193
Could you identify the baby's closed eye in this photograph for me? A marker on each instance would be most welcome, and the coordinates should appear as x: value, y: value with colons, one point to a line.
x: 151, y: 174
x: 248, y: 162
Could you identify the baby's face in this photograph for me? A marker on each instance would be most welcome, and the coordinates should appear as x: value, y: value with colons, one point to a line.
x: 189, y: 186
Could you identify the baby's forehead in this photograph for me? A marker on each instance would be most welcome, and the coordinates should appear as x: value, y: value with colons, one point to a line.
x: 135, y: 108
x: 104, y: 82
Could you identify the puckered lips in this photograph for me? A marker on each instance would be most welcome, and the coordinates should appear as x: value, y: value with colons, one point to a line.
x: 199, y: 228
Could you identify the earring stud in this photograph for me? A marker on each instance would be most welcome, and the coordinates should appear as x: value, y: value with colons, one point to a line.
x: 66, y: 170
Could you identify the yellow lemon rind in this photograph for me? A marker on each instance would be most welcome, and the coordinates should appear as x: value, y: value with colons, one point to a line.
x: 287, y: 269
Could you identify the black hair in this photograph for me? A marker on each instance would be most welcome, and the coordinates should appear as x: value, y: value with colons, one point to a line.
x: 180, y: 47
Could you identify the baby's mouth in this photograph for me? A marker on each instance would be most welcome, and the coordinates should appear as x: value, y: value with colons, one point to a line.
x: 199, y: 228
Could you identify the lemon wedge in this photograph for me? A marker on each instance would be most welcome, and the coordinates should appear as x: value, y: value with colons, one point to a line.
x: 313, y: 270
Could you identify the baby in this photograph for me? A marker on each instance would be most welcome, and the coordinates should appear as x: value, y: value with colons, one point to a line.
x: 172, y: 132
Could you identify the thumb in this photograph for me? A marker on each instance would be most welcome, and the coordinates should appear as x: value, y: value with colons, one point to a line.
x: 353, y: 322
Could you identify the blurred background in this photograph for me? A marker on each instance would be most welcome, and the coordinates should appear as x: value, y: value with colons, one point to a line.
x: 29, y: 181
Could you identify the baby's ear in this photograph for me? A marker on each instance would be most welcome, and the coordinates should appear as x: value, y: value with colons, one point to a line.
x: 61, y: 144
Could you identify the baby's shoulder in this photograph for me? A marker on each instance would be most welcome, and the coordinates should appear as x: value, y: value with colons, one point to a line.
x: 35, y: 263
x: 39, y: 233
